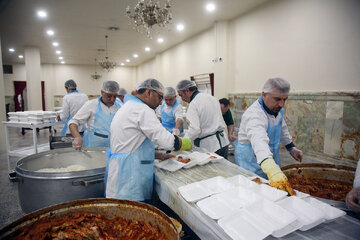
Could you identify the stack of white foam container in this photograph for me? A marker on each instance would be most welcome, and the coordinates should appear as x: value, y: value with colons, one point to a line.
x: 33, y: 117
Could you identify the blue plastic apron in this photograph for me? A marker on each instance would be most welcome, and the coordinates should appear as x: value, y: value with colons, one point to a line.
x: 244, y: 153
x: 99, y: 135
x: 134, y: 173
x: 63, y: 132
x: 168, y: 119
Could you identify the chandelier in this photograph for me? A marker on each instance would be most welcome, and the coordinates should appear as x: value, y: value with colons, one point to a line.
x: 95, y: 75
x: 149, y: 15
x: 106, y: 64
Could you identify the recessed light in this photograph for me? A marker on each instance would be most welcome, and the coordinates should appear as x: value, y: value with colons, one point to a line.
x: 42, y: 14
x: 127, y: 60
x: 21, y: 56
x: 147, y: 49
x: 180, y: 27
x: 122, y: 64
x: 160, y: 40
x: 11, y: 50
x: 62, y: 62
x: 135, y: 55
x: 61, y: 58
x: 55, y: 44
x: 210, y: 7
x: 58, y: 52
x: 50, y: 32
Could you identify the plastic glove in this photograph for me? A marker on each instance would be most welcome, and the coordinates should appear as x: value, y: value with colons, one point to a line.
x: 186, y: 144
x: 77, y: 143
x: 276, y: 177
x: 296, y: 154
x: 353, y: 200
x: 176, y: 131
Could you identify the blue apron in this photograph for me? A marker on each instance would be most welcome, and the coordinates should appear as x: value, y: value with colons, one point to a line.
x: 63, y: 132
x: 134, y: 174
x: 244, y: 153
x: 168, y: 119
x: 99, y: 135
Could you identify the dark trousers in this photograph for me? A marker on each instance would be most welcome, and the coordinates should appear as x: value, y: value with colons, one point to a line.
x: 224, y: 152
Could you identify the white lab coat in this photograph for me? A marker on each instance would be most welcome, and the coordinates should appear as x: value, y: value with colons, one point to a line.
x: 253, y: 126
x: 132, y: 124
x: 86, y: 113
x: 205, y: 118
x: 71, y: 104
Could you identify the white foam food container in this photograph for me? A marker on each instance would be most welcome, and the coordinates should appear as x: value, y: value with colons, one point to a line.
x: 13, y: 114
x: 223, y: 204
x: 239, y: 180
x: 270, y: 193
x: 171, y: 165
x: 242, y: 226
x: 308, y: 215
x: 329, y: 211
x: 217, y: 184
x: 13, y: 119
x: 211, y: 157
x: 194, y: 191
x: 273, y: 216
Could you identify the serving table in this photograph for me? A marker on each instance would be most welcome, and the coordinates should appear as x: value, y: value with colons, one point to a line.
x: 35, y: 148
x: 167, y: 184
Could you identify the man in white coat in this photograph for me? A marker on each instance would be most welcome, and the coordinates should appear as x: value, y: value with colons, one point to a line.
x: 135, y: 130
x: 72, y: 102
x: 206, y: 123
x: 262, y: 128
x: 97, y: 114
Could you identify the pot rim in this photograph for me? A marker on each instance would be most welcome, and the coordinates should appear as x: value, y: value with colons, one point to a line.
x: 318, y: 165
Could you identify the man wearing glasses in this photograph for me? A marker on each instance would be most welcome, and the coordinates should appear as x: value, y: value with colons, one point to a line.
x: 135, y: 130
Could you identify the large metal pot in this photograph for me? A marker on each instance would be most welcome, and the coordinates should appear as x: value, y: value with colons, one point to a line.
x: 41, y: 189
x: 109, y: 208
x: 322, y: 171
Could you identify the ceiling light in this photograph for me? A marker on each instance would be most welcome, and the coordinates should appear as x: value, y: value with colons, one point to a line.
x: 147, y: 16
x: 21, y: 56
x: 147, y: 49
x: 58, y: 52
x: 62, y: 62
x: 210, y: 7
x: 55, y: 44
x: 127, y: 60
x: 180, y: 27
x: 42, y: 14
x: 122, y: 64
x: 135, y: 55
x: 160, y: 40
x: 11, y: 50
x: 61, y: 58
x: 50, y: 32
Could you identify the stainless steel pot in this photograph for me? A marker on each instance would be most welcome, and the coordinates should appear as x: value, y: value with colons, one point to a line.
x: 41, y: 189
x: 107, y: 207
x: 322, y: 171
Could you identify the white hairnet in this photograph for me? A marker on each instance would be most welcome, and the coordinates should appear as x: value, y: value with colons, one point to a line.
x: 110, y: 87
x: 122, y: 92
x: 184, y: 84
x: 152, y: 84
x: 170, y: 91
x: 70, y: 84
x: 276, y: 84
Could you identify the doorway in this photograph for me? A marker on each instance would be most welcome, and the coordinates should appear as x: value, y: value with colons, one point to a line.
x: 20, y: 97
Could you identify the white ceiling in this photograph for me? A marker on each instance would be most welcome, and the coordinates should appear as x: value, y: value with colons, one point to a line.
x: 81, y: 25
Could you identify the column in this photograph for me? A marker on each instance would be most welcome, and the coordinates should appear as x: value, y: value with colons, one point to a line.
x: 2, y: 107
x: 33, y: 78
x: 221, y: 58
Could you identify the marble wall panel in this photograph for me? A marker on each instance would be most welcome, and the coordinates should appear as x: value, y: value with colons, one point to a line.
x: 333, y: 133
x: 350, y: 141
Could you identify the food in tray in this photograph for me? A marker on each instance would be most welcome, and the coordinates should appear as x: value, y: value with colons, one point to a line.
x: 258, y: 181
x: 213, y: 157
x: 183, y: 159
x: 87, y: 225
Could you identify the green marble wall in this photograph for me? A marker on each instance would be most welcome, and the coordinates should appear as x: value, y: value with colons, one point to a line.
x: 326, y: 123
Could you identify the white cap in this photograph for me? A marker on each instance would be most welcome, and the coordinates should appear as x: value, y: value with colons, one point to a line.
x: 170, y: 91
x: 184, y: 84
x: 152, y: 84
x: 110, y: 87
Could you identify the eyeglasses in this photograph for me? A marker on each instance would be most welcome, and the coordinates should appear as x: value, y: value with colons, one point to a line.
x: 160, y: 96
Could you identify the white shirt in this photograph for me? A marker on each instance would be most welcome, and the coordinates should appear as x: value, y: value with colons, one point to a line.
x: 86, y: 113
x: 132, y: 124
x: 253, y: 127
x: 71, y: 104
x: 205, y: 118
x: 177, y: 113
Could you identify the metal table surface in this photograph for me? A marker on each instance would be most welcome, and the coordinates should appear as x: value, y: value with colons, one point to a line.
x: 167, y: 184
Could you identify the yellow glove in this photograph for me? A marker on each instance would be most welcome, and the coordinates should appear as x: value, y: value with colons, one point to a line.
x: 186, y: 144
x: 276, y: 177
